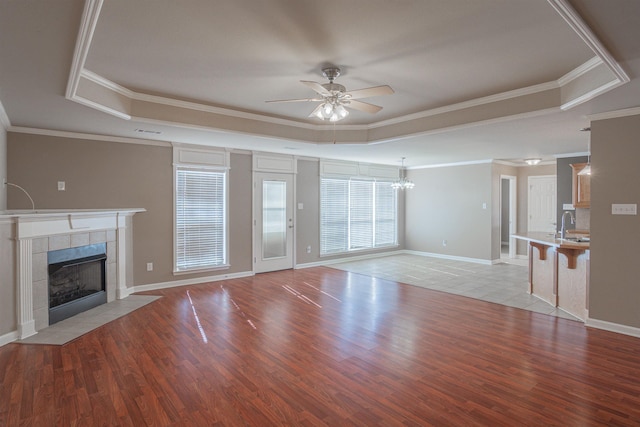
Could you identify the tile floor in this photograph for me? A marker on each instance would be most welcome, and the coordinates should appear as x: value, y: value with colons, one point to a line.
x: 503, y: 283
x: 70, y: 329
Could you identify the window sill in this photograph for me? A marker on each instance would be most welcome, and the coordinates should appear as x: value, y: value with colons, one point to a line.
x: 201, y: 270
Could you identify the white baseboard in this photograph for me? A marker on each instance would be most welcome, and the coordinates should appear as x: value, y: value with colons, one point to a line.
x: 185, y: 282
x: 347, y: 259
x: 613, y: 327
x: 7, y: 338
x: 453, y: 257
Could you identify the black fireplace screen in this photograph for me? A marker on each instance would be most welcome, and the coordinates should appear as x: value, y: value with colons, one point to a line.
x: 76, y: 275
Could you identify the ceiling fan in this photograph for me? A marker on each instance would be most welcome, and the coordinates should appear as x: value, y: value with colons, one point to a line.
x: 334, y: 98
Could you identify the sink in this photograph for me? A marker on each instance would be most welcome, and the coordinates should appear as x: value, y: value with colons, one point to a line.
x: 578, y: 239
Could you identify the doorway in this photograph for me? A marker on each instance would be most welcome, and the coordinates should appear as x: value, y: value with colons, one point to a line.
x: 273, y: 222
x: 508, y: 216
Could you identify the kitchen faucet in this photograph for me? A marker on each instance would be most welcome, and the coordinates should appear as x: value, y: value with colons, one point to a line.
x: 563, y: 230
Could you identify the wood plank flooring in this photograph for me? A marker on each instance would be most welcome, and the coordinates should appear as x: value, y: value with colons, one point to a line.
x: 319, y: 347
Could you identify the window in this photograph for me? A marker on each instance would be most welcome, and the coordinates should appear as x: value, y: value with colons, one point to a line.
x: 356, y: 214
x: 200, y: 219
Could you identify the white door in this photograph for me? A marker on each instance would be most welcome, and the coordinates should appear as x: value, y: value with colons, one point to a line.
x: 542, y: 203
x: 273, y: 221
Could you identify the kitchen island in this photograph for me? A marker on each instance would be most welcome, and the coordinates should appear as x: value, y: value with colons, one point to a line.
x: 559, y: 271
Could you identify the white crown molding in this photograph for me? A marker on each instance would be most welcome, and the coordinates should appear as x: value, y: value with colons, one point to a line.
x: 446, y: 165
x: 469, y: 104
x: 615, y: 114
x: 567, y: 155
x: 4, y: 118
x: 580, y: 70
x: 575, y: 21
x: 590, y: 95
x: 93, y: 137
x: 83, y: 43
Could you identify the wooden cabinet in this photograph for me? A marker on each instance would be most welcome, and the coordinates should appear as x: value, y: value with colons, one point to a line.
x: 581, y: 187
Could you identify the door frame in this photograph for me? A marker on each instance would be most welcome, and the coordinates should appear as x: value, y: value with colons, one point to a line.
x: 513, y: 212
x: 257, y: 216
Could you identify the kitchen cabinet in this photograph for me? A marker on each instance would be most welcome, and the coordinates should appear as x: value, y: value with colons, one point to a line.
x: 581, y: 187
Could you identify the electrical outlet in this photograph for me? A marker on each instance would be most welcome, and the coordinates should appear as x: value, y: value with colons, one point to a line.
x: 444, y: 243
x: 61, y: 186
x: 624, y: 209
x: 308, y: 249
x: 149, y: 266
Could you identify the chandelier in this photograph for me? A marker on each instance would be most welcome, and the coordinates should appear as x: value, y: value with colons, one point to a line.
x: 402, y: 183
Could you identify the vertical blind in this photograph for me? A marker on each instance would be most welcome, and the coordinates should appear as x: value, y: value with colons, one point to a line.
x: 356, y: 214
x: 200, y: 219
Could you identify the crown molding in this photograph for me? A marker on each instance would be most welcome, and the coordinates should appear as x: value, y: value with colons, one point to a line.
x: 580, y: 71
x: 615, y: 114
x: 575, y: 21
x: 4, y: 118
x: 88, y: 23
x: 90, y: 136
x: 446, y: 165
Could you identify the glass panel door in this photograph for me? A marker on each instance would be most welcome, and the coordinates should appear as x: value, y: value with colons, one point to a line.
x: 273, y: 221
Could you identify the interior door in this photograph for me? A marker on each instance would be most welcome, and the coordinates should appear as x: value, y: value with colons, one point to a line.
x: 273, y: 221
x: 542, y: 203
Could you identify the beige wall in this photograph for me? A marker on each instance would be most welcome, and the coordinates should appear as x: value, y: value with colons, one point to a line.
x: 523, y: 198
x: 102, y: 174
x: 447, y: 204
x: 614, y: 294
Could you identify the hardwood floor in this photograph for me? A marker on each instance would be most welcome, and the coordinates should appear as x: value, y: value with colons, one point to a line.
x: 324, y: 347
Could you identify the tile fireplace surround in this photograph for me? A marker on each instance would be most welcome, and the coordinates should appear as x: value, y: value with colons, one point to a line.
x: 37, y: 232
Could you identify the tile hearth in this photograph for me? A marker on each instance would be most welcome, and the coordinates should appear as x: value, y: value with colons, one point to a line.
x: 78, y: 325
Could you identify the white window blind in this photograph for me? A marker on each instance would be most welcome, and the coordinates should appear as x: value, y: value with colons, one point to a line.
x: 200, y: 219
x: 356, y: 214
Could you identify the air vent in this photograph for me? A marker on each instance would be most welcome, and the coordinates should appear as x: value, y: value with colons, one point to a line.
x: 153, y: 132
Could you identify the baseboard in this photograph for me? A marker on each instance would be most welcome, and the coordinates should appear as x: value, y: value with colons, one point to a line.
x: 185, y: 282
x: 613, y: 327
x: 7, y: 338
x: 347, y: 259
x: 453, y: 257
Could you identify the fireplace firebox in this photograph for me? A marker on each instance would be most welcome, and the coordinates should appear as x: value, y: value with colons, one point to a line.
x: 76, y: 280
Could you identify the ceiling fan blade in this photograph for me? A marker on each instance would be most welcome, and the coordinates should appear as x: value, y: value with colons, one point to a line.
x: 297, y: 100
x: 370, y: 91
x: 316, y: 87
x: 363, y: 106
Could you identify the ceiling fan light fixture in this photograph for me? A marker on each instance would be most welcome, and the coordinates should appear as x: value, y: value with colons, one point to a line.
x: 532, y: 162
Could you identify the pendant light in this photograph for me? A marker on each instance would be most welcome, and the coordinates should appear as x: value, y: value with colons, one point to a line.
x: 403, y: 183
x: 587, y: 169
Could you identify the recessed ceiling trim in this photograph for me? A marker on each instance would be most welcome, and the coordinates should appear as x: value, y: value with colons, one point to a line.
x: 615, y: 114
x: 4, y: 118
x: 88, y: 23
x: 89, y: 136
x: 575, y: 21
x: 127, y: 104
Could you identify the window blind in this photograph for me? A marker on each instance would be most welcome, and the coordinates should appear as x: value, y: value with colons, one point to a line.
x: 356, y: 214
x: 200, y: 219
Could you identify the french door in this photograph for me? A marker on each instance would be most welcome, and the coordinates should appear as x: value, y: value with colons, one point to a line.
x: 273, y: 221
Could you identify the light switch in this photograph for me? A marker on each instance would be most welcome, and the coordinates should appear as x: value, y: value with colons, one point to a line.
x: 300, y: 206
x: 624, y: 209
x: 61, y: 186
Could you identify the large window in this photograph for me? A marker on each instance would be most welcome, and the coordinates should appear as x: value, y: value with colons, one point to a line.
x: 356, y: 214
x: 200, y: 219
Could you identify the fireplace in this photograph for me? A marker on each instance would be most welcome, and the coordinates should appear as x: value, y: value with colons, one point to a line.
x: 76, y: 280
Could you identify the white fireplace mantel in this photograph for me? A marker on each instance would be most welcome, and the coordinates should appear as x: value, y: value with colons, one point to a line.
x: 30, y: 225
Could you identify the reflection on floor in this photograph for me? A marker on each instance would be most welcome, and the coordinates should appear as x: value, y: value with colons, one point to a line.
x: 502, y: 283
x: 78, y: 325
